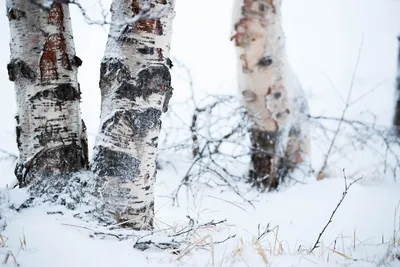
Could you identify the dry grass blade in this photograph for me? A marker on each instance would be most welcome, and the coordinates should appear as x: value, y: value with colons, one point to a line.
x: 8, y: 254
x: 191, y: 246
x: 261, y: 252
x: 339, y: 253
x: 212, y: 251
x: 230, y: 202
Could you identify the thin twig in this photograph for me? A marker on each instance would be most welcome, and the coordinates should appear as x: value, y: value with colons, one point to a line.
x: 346, y: 187
x: 343, y: 112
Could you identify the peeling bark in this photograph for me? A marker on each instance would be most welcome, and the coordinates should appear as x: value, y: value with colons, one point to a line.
x: 51, y: 136
x: 270, y: 92
x: 396, y: 119
x: 135, y: 85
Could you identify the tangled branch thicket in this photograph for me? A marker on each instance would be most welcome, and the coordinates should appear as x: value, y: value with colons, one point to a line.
x: 213, y: 133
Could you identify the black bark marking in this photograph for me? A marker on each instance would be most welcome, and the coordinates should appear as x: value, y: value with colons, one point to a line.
x: 61, y: 93
x: 265, y: 61
x: 139, y: 122
x: 18, y: 68
x: 113, y: 69
x: 18, y: 136
x: 18, y: 132
x: 152, y: 80
x: 15, y: 14
x: 146, y: 50
x: 128, y: 91
x: 114, y: 163
x: 137, y: 212
x: 168, y: 95
x: 169, y: 63
x: 61, y: 160
x: 51, y: 133
x: 85, y: 148
x: 146, y: 121
x: 76, y: 61
x: 65, y: 92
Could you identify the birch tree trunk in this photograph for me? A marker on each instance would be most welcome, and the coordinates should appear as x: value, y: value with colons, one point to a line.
x: 51, y: 136
x: 270, y: 92
x: 135, y: 85
x: 396, y: 119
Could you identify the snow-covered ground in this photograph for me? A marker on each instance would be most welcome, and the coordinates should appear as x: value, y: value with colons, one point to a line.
x: 361, y: 232
x: 324, y: 38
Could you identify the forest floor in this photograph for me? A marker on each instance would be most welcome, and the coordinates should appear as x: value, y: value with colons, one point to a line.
x: 278, y: 230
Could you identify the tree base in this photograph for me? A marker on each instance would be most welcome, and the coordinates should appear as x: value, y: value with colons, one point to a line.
x: 58, y: 162
x: 268, y: 168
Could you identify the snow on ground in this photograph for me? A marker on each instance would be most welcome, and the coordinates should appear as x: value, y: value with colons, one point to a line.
x: 323, y: 38
x: 361, y: 232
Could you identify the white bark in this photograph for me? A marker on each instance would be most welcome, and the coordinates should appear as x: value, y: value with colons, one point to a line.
x: 270, y: 90
x: 50, y: 134
x: 136, y: 86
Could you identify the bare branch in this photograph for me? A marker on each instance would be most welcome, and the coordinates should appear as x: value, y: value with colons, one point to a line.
x: 7, y: 155
x: 347, y: 104
x: 346, y: 189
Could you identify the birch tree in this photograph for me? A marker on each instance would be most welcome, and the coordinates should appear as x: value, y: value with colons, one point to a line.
x: 135, y: 84
x: 51, y: 136
x: 270, y: 91
x: 396, y: 119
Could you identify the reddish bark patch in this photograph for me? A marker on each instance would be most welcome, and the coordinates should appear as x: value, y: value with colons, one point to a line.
x: 135, y: 7
x: 56, y: 15
x: 48, y: 62
x: 149, y: 26
x: 48, y: 66
x: 241, y: 36
x: 55, y: 42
